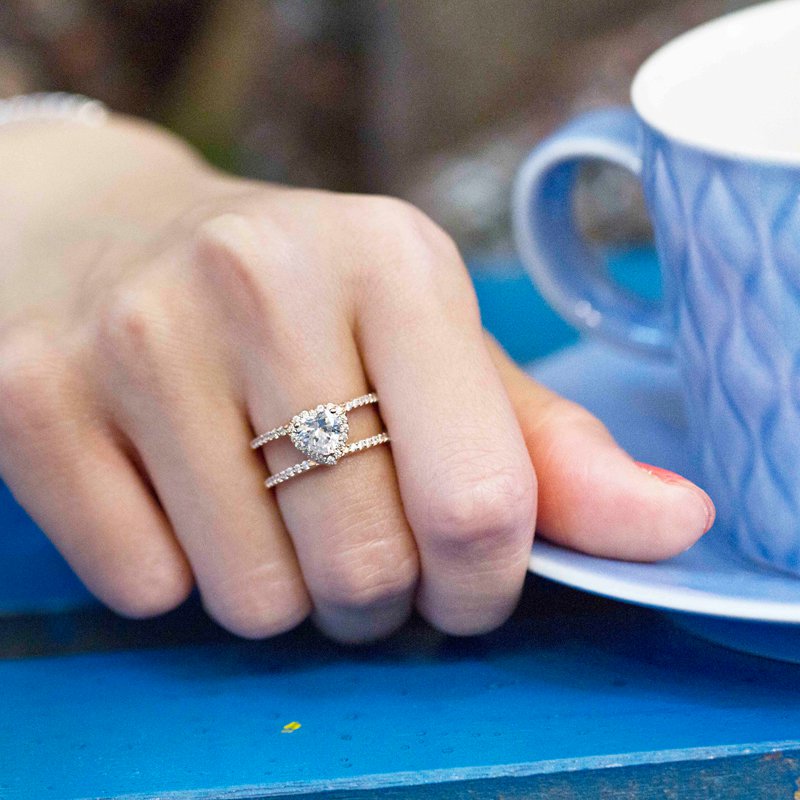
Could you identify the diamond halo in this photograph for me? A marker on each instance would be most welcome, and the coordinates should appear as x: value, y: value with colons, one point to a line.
x: 321, y: 433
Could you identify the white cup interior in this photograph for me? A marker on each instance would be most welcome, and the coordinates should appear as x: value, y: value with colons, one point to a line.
x: 731, y: 86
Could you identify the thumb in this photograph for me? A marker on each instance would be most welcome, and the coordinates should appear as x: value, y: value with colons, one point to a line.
x: 593, y: 496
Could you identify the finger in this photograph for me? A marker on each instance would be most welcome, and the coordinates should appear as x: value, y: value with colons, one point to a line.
x: 592, y: 495
x: 71, y: 475
x: 230, y: 529
x: 170, y: 386
x: 346, y: 522
x: 353, y: 541
x: 466, y: 479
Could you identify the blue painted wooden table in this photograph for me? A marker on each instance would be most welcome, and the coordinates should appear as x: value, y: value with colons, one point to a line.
x: 575, y: 697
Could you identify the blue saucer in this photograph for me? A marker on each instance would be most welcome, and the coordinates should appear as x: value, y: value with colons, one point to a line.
x: 717, y: 594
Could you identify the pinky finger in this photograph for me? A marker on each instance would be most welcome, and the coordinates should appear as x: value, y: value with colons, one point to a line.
x: 88, y: 497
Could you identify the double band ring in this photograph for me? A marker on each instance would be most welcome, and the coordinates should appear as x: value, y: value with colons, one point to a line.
x: 321, y: 435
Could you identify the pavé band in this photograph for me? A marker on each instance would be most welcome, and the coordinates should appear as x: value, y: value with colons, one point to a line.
x: 320, y: 434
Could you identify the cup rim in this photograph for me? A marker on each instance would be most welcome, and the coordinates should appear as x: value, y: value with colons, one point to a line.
x: 727, y: 26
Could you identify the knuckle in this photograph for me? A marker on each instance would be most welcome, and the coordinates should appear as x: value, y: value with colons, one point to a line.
x: 399, y: 225
x: 139, y: 343
x: 131, y: 323
x: 150, y: 592
x: 29, y: 391
x: 256, y: 606
x: 417, y: 255
x: 367, y: 583
x: 404, y: 221
x: 433, y: 235
x: 483, y: 509
x: 230, y: 248
x: 250, y: 265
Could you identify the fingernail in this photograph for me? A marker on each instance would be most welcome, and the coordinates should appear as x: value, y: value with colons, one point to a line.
x: 667, y: 476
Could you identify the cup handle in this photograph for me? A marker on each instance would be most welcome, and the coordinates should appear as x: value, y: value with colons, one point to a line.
x: 567, y: 270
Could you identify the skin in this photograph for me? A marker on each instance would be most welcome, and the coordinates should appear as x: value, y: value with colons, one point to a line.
x: 155, y: 313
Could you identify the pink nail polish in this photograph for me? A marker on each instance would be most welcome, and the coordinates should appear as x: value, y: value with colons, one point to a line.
x: 667, y: 476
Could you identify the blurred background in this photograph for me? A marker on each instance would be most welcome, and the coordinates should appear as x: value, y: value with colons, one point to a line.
x: 436, y: 101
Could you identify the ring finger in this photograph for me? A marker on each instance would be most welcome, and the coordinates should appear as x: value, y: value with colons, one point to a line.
x: 354, y: 545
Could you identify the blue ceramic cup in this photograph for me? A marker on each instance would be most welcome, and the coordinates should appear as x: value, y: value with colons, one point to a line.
x: 714, y: 137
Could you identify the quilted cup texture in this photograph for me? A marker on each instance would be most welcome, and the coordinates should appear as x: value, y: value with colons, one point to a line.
x: 728, y: 235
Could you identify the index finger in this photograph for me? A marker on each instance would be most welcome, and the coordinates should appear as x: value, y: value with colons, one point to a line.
x: 465, y: 476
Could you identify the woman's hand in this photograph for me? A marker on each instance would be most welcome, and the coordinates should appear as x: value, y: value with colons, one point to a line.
x: 155, y: 313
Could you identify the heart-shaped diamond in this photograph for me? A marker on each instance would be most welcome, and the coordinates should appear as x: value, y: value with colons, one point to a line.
x: 321, y: 433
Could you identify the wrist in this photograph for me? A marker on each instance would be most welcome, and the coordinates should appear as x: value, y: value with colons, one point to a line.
x: 70, y: 189
x: 46, y: 164
x: 65, y: 176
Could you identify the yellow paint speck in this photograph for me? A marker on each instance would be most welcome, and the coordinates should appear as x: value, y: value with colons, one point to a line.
x: 290, y: 727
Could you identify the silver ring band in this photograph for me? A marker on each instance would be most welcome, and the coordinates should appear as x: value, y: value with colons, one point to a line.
x: 284, y: 430
x: 320, y: 434
x: 305, y: 466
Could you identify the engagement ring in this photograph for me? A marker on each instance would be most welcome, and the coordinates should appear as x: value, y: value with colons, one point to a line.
x: 320, y: 434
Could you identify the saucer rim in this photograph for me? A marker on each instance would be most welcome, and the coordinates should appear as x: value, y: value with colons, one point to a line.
x: 583, y: 572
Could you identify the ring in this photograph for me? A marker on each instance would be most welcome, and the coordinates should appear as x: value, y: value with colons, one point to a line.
x: 320, y: 434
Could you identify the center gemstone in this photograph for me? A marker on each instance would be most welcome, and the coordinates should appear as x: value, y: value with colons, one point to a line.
x: 321, y: 433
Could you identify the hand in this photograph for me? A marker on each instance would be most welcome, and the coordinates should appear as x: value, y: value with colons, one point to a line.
x: 155, y: 313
